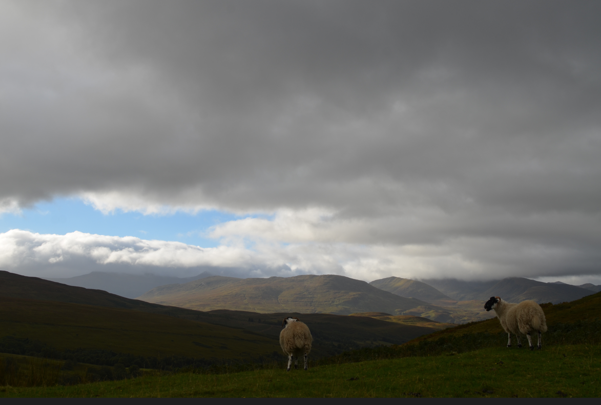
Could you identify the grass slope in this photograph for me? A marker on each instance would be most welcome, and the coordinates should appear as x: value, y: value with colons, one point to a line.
x: 563, y: 371
x: 408, y: 320
x: 69, y: 326
x: 332, y: 333
x: 583, y: 310
x: 17, y: 286
x: 67, y: 317
x: 464, y: 361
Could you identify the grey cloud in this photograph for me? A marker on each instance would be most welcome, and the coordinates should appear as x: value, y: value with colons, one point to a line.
x: 482, y: 82
x: 487, y: 111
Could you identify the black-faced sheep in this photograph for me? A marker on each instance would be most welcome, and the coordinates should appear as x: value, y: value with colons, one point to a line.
x: 525, y: 317
x: 295, y: 340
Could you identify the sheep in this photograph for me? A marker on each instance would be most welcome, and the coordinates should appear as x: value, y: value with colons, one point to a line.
x: 525, y: 317
x: 295, y: 340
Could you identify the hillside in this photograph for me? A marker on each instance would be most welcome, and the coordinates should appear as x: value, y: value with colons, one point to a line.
x: 17, y: 286
x: 457, y: 360
x: 66, y: 326
x: 74, y: 317
x: 125, y: 285
x: 412, y: 289
x: 305, y: 294
x: 448, y: 309
x: 407, y: 320
x: 334, y: 332
x: 581, y: 311
x: 461, y: 290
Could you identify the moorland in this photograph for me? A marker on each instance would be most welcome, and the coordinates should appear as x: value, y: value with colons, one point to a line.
x: 64, y: 341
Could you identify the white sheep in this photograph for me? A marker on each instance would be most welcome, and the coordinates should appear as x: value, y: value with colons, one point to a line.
x: 295, y: 340
x: 525, y: 317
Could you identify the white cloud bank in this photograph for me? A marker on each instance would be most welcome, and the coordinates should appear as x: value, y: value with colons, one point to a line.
x: 80, y: 253
x: 293, y: 243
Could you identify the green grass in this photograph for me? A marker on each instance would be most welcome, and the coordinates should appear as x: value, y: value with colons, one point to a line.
x: 28, y: 371
x: 465, y: 361
x: 559, y: 371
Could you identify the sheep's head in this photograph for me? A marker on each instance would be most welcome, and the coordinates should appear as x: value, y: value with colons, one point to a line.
x: 288, y: 320
x: 490, y: 304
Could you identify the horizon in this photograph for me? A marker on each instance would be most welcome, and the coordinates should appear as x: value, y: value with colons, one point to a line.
x: 242, y: 277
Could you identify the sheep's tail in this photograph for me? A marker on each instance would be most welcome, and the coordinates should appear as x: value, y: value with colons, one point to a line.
x: 543, y: 324
x: 539, y: 323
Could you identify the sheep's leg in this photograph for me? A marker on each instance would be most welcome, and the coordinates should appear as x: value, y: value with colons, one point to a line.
x: 508, y: 339
x: 540, y: 340
x: 289, y: 362
x: 306, y: 360
x: 296, y: 362
x: 519, y: 341
x: 529, y: 341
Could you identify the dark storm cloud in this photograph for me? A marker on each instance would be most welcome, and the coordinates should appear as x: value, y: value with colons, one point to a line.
x: 418, y: 122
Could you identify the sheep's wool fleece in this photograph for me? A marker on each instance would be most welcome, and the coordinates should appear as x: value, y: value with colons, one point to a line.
x: 528, y: 318
x: 296, y: 338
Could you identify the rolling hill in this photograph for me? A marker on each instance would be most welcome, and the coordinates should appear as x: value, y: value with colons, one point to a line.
x: 448, y: 309
x: 125, y: 285
x: 67, y: 326
x: 407, y: 320
x: 305, y: 294
x: 463, y: 300
x: 67, y: 317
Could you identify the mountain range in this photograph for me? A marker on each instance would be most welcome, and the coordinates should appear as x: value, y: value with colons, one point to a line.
x: 449, y: 300
x: 305, y: 294
x: 512, y: 289
x: 591, y: 287
x: 458, y: 302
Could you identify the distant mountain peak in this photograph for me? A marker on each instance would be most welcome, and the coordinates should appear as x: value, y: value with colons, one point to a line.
x: 411, y: 289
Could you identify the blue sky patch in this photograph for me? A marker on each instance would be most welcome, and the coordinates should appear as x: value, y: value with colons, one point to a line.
x: 65, y: 215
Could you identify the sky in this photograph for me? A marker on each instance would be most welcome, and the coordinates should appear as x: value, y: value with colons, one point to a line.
x: 416, y: 138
